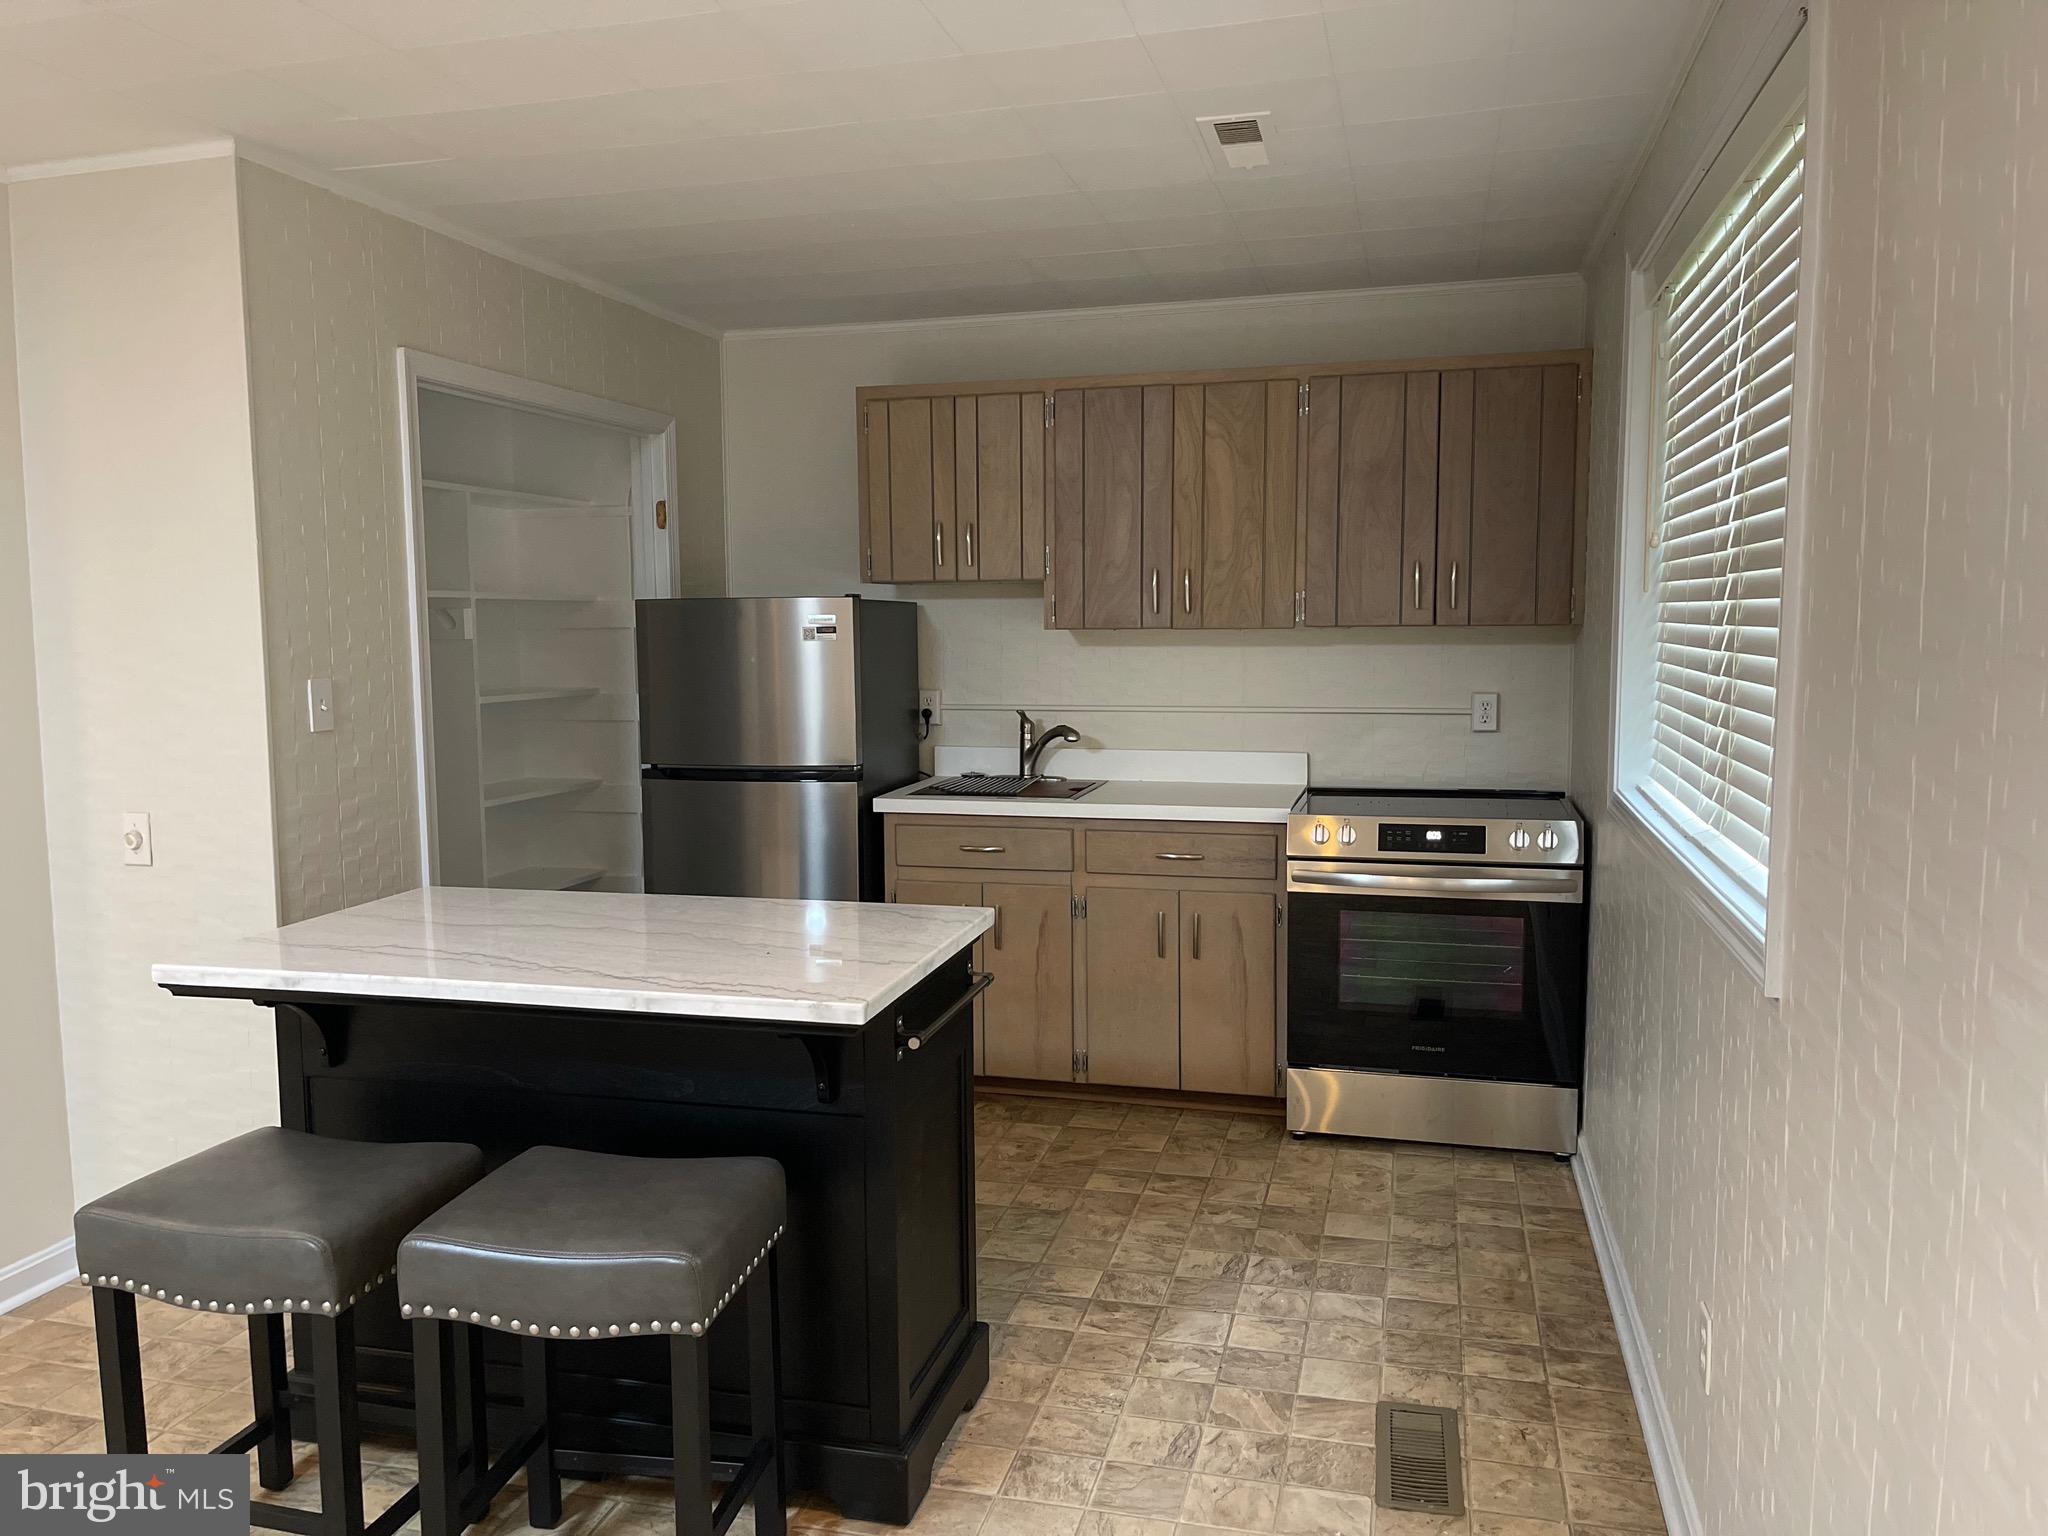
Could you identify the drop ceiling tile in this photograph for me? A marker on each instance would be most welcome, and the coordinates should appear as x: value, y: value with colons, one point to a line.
x: 1291, y: 223
x: 1240, y: 283
x: 1424, y: 177
x: 1540, y: 231
x: 1082, y: 266
x: 253, y: 34
x: 1135, y: 165
x: 1018, y: 176
x: 993, y: 135
x: 1563, y: 23
x: 1421, y: 90
x: 1423, y: 138
x: 413, y: 24
x: 1414, y: 212
x: 1151, y: 16
x: 830, y: 34
x: 538, y: 128
x: 1567, y: 124
x: 1421, y: 240
x: 761, y: 104
x: 86, y: 124
x: 1574, y: 74
x: 1244, y: 55
x: 1311, y: 102
x: 1004, y: 26
x: 1077, y: 72
x: 1402, y: 32
x: 1178, y: 201
x: 1198, y: 229
x: 568, y: 14
x: 1587, y: 173
x: 389, y: 83
x: 110, y: 51
x: 1318, y: 276
x: 1271, y: 189
x: 1413, y: 271
x: 688, y: 50
x: 240, y: 102
x: 1108, y: 122
x: 1065, y: 240
x: 1530, y: 261
x: 1046, y: 210
x: 1182, y: 260
x: 1347, y: 246
x: 505, y: 71
x: 1294, y: 152
x: 921, y: 88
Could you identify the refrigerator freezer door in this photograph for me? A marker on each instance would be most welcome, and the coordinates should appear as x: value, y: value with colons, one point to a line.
x: 776, y: 837
x: 756, y: 682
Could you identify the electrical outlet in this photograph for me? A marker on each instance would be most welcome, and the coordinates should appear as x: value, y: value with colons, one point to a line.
x: 136, y: 847
x: 319, y: 704
x: 1705, y: 1329
x: 1485, y: 711
x: 929, y: 699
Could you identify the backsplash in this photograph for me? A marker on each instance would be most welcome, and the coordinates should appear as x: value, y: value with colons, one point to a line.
x: 1369, y: 707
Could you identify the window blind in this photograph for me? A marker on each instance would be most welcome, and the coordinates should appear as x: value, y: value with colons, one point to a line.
x: 1716, y: 563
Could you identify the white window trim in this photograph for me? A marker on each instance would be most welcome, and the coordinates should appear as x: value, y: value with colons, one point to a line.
x: 1755, y: 932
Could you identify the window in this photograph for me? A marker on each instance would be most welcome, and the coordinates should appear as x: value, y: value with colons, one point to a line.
x: 1696, y: 734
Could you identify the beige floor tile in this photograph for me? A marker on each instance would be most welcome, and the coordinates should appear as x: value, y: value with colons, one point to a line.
x: 1045, y: 1477
x: 1613, y: 1501
x: 1537, y: 1492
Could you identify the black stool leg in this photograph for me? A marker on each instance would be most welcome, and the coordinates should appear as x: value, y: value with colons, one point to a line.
x: 473, y: 1432
x: 764, y: 1391
x: 120, y: 1352
x: 435, y: 1426
x: 543, y: 1482
x: 335, y: 1425
x: 273, y: 1401
x: 690, y: 1392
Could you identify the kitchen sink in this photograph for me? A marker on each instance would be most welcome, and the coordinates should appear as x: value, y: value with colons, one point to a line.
x: 1010, y: 786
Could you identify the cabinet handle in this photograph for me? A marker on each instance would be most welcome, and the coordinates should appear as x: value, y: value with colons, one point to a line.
x: 1155, y: 589
x: 1418, y: 583
x: 1195, y: 858
x: 996, y: 936
x: 1162, y: 935
x: 970, y: 546
x: 1454, y: 584
x: 983, y: 848
x: 1187, y: 590
x: 1195, y: 943
x: 939, y: 547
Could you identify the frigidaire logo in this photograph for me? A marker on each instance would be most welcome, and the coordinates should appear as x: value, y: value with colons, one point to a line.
x: 147, y: 1495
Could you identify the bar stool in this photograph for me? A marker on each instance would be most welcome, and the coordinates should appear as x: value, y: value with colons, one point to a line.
x: 272, y: 1223
x: 561, y: 1244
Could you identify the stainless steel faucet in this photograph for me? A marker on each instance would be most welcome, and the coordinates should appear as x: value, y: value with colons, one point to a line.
x: 1031, y: 742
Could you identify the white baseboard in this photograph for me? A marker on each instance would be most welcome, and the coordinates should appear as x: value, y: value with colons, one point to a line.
x: 25, y: 1279
x: 1674, y: 1488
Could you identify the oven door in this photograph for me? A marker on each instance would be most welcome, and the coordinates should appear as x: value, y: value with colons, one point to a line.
x: 1439, y: 971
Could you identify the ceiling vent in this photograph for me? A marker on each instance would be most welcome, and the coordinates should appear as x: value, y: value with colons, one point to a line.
x: 1240, y: 137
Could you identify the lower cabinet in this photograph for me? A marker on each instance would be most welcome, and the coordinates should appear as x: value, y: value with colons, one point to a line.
x: 1172, y: 980
x: 1133, y: 986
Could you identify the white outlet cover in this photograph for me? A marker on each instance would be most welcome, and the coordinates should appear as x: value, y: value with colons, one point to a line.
x: 136, y: 847
x: 1485, y: 711
x: 319, y: 704
x: 929, y: 699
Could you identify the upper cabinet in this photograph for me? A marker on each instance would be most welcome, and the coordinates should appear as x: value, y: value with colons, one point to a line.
x: 1450, y: 492
x: 953, y: 487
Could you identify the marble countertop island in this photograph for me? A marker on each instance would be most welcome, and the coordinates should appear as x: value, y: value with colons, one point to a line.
x: 820, y: 962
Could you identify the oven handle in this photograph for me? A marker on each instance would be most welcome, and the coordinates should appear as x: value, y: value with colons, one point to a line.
x: 1541, y: 885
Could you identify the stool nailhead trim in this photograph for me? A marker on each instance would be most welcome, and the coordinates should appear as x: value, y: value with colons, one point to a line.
x: 250, y: 1308
x: 597, y: 1330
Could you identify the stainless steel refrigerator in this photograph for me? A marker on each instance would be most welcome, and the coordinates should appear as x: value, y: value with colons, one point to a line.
x: 767, y: 727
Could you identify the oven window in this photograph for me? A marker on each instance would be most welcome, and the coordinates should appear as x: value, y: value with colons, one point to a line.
x: 1431, y: 965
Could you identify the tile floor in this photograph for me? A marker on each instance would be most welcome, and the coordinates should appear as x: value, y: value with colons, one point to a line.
x: 1193, y: 1316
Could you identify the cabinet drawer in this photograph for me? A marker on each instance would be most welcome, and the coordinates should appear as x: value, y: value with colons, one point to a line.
x: 956, y: 846
x: 1218, y: 855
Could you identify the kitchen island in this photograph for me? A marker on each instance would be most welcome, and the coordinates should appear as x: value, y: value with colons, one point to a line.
x: 833, y: 1037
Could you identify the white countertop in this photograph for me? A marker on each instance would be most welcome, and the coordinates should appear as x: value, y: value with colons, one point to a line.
x: 1137, y: 786
x: 824, y: 962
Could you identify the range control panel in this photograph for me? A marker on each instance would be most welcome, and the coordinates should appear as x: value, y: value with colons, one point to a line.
x: 1415, y: 837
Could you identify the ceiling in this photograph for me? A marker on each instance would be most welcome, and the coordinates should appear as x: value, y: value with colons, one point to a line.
x: 787, y: 162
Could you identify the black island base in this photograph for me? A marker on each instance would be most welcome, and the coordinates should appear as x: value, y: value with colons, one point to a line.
x: 874, y: 1128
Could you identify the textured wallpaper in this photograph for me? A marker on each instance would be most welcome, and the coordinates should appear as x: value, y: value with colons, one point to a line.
x: 333, y: 289
x: 1855, y: 1180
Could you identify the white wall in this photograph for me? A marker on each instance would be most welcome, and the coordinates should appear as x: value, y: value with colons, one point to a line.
x: 334, y: 288
x: 792, y: 526
x: 1851, y: 1180
x: 148, y: 646
x: 35, y: 1197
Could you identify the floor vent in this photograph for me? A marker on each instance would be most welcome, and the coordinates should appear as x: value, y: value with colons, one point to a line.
x: 1418, y: 1459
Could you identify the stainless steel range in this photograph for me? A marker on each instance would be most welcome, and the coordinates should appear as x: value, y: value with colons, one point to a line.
x: 1436, y: 967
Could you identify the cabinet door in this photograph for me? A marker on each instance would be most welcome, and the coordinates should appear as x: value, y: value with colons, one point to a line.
x: 955, y: 893
x: 945, y: 493
x: 1514, y: 453
x: 992, y: 544
x: 1133, y: 960
x: 1371, y: 494
x: 1030, y: 952
x: 1245, y: 570
x: 1229, y: 947
x: 875, y: 561
x: 1112, y: 508
x: 913, y: 535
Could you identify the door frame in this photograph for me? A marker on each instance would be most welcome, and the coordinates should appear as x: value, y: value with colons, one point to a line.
x: 657, y: 552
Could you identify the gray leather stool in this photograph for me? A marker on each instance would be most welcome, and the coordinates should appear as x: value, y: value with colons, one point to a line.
x: 560, y: 1244
x: 272, y: 1223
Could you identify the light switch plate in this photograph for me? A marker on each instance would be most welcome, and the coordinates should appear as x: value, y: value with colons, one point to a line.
x: 1485, y: 711
x: 929, y: 699
x: 136, y: 847
x: 319, y: 704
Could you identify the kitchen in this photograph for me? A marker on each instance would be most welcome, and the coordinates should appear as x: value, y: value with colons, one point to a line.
x: 1107, y: 658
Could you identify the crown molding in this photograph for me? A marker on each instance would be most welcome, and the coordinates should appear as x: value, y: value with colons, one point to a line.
x: 126, y: 160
